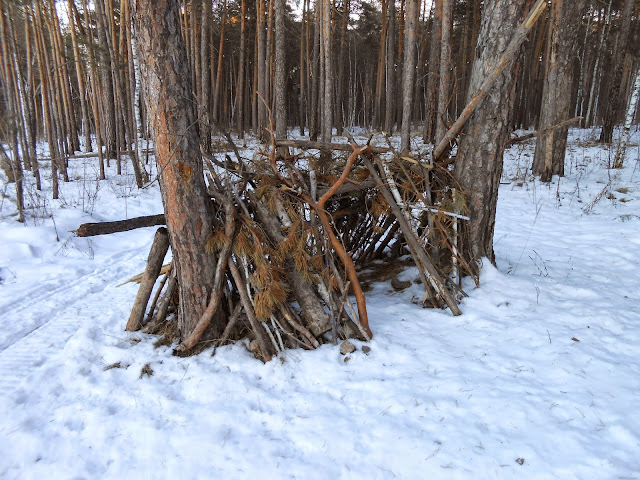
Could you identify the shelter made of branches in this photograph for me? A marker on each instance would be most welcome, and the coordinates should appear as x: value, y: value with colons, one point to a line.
x: 296, y: 225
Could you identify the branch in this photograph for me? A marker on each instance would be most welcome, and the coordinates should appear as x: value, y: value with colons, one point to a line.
x: 538, y: 133
x: 507, y: 58
x: 306, y: 144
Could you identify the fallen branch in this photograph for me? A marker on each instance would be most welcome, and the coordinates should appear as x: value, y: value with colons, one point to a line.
x: 306, y: 144
x: 537, y: 133
x: 90, y: 155
x: 105, y: 228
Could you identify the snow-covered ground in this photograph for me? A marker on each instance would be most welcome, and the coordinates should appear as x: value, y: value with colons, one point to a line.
x: 539, y: 378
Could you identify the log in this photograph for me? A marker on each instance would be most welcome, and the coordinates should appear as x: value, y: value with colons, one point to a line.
x: 105, y: 228
x: 152, y: 271
x: 306, y: 144
x: 90, y: 155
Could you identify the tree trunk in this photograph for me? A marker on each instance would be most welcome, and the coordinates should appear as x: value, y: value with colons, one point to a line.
x: 46, y: 100
x: 216, y: 90
x: 623, y: 42
x: 314, y: 73
x: 261, y: 42
x: 241, y: 70
x: 558, y: 84
x: 205, y: 79
x: 409, y: 69
x: 631, y: 111
x: 108, y: 98
x: 390, y: 69
x: 444, y: 90
x: 434, y: 70
x: 595, y: 75
x: 341, y: 104
x: 280, y: 75
x: 86, y: 125
x: 479, y: 161
x: 327, y: 104
x: 188, y: 210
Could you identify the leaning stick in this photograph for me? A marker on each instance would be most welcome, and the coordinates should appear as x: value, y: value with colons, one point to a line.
x: 410, y: 236
x: 507, y: 58
x: 154, y: 264
x: 154, y: 302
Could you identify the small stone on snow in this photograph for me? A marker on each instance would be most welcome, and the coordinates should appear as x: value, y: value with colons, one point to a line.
x: 347, y: 347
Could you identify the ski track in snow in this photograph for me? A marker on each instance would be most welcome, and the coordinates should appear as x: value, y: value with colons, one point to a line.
x: 60, y: 318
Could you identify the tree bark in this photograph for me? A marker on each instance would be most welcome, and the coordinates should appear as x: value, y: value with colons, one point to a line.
x: 188, y: 210
x: 558, y: 85
x: 479, y: 161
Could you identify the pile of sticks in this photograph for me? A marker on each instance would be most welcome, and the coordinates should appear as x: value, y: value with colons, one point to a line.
x: 295, y: 225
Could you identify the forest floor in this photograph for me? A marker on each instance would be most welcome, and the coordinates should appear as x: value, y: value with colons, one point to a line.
x: 539, y: 378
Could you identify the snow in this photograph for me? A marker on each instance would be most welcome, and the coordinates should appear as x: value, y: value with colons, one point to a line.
x: 543, y: 366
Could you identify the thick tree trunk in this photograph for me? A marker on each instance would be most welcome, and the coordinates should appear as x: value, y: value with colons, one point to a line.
x: 558, y: 84
x: 479, y: 161
x: 188, y: 210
